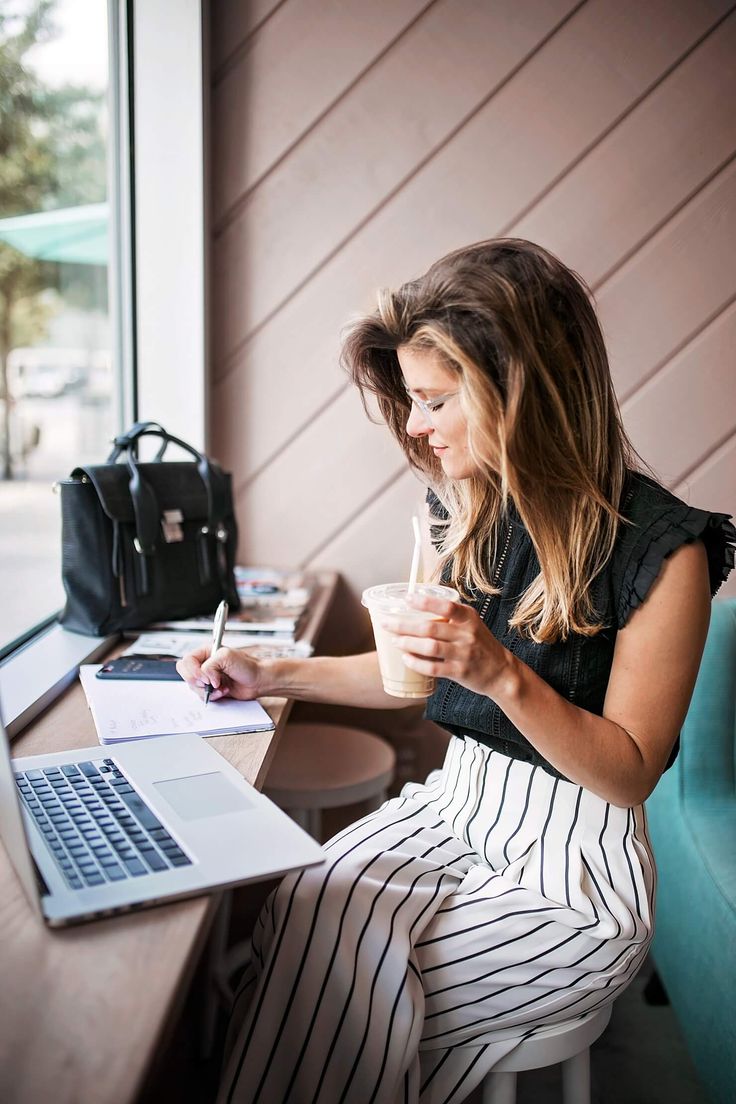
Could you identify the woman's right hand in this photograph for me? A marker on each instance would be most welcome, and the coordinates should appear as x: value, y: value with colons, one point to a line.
x: 231, y: 674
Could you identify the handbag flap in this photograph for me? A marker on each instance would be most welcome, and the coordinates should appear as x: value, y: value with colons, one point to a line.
x: 177, y: 485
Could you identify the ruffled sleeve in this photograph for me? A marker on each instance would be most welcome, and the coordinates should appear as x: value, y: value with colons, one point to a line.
x: 663, y: 529
x: 438, y: 512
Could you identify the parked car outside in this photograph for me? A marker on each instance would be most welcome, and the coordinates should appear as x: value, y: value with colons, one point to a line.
x: 47, y: 372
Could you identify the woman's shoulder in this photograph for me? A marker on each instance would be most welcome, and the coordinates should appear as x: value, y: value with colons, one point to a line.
x: 657, y: 523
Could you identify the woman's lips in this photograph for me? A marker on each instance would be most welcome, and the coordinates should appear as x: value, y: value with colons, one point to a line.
x: 438, y: 448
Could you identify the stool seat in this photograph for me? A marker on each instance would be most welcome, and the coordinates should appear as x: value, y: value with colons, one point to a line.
x: 567, y: 1043
x: 556, y: 1045
x: 322, y: 766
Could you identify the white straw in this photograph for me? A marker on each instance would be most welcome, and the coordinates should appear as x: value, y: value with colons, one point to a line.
x: 416, y: 555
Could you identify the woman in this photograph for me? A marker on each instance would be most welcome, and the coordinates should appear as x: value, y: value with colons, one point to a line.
x: 515, y: 889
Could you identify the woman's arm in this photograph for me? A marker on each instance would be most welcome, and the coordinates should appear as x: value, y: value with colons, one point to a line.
x: 620, y: 755
x: 335, y: 680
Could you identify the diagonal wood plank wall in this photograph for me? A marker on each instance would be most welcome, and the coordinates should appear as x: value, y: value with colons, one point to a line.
x: 353, y: 143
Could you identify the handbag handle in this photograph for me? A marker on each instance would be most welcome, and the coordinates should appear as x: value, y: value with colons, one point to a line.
x: 145, y: 504
x: 131, y: 437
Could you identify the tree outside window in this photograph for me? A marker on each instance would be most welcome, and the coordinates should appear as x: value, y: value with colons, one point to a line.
x: 56, y: 385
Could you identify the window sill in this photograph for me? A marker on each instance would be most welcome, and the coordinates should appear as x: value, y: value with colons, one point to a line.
x: 36, y: 674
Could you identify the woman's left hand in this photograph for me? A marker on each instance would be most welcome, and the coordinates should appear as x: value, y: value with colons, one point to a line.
x: 455, y: 645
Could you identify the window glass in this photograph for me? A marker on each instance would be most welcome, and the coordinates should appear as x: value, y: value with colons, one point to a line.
x: 57, y: 387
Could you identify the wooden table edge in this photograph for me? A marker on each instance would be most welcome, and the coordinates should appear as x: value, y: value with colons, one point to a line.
x: 192, y: 917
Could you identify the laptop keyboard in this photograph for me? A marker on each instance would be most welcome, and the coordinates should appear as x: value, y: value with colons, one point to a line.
x: 97, y: 827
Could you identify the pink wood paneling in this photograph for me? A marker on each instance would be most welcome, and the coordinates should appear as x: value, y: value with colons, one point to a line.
x: 302, y: 341
x: 649, y: 164
x: 306, y: 494
x: 231, y: 21
x: 610, y: 144
x: 684, y: 275
x: 296, y: 66
x: 610, y: 53
x: 674, y: 419
x: 376, y: 136
x: 378, y: 542
x: 713, y: 485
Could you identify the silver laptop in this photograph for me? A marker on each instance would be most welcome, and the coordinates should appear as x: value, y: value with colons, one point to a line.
x: 94, y: 832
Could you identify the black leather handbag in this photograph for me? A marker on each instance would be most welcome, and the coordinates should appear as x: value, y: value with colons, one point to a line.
x: 145, y: 542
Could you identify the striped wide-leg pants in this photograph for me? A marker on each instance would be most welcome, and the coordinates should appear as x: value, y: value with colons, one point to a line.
x: 464, y: 915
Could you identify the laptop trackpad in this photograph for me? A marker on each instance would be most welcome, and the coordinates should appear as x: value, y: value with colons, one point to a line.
x: 203, y: 795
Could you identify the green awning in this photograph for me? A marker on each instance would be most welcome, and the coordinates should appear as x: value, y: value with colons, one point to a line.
x: 77, y: 235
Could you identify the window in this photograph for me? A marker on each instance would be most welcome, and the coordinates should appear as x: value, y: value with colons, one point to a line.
x: 59, y: 393
x: 138, y: 71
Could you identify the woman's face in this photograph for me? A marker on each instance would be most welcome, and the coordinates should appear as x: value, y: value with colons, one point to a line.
x: 446, y: 427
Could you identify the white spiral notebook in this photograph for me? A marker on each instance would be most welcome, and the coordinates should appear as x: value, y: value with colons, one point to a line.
x: 123, y: 709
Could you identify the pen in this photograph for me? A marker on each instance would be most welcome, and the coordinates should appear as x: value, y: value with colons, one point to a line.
x: 217, y: 630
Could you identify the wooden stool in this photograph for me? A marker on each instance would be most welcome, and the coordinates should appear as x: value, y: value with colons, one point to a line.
x: 568, y: 1043
x: 322, y: 766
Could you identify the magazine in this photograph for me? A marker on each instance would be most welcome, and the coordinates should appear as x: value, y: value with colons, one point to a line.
x: 179, y: 644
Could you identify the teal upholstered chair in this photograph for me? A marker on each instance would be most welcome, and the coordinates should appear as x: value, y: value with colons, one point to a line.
x: 692, y: 817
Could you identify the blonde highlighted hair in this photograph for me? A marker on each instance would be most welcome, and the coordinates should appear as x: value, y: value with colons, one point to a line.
x: 518, y: 329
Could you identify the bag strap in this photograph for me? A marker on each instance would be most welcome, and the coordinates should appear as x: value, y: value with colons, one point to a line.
x: 122, y: 442
x: 145, y: 504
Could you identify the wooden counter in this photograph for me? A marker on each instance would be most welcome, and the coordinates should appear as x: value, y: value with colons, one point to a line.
x: 83, y: 1010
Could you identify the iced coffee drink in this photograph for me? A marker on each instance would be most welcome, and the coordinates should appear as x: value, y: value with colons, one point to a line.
x: 389, y: 600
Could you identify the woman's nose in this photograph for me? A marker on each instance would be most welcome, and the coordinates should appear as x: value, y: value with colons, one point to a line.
x: 417, y: 425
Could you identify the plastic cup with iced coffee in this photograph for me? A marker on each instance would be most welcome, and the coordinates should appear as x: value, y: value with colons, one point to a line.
x: 390, y: 600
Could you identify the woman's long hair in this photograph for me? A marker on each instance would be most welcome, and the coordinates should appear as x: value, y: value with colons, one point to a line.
x: 518, y: 329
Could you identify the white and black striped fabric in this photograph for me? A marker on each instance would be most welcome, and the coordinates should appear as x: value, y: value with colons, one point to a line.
x: 461, y: 917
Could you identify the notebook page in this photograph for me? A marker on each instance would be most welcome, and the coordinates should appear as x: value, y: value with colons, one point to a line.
x: 124, y: 709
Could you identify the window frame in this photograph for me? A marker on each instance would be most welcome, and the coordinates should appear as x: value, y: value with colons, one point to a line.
x: 159, y: 212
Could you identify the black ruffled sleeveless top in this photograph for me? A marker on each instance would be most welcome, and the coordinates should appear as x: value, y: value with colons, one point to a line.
x: 579, y: 667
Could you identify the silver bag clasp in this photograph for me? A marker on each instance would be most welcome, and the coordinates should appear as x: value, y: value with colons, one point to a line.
x: 171, y: 526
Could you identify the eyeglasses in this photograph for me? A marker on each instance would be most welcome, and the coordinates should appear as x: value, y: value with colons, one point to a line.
x: 429, y: 407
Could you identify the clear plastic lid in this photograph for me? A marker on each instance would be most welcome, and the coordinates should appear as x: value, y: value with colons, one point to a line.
x: 392, y: 596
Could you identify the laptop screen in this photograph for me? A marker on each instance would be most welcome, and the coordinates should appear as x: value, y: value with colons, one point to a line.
x: 12, y: 828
